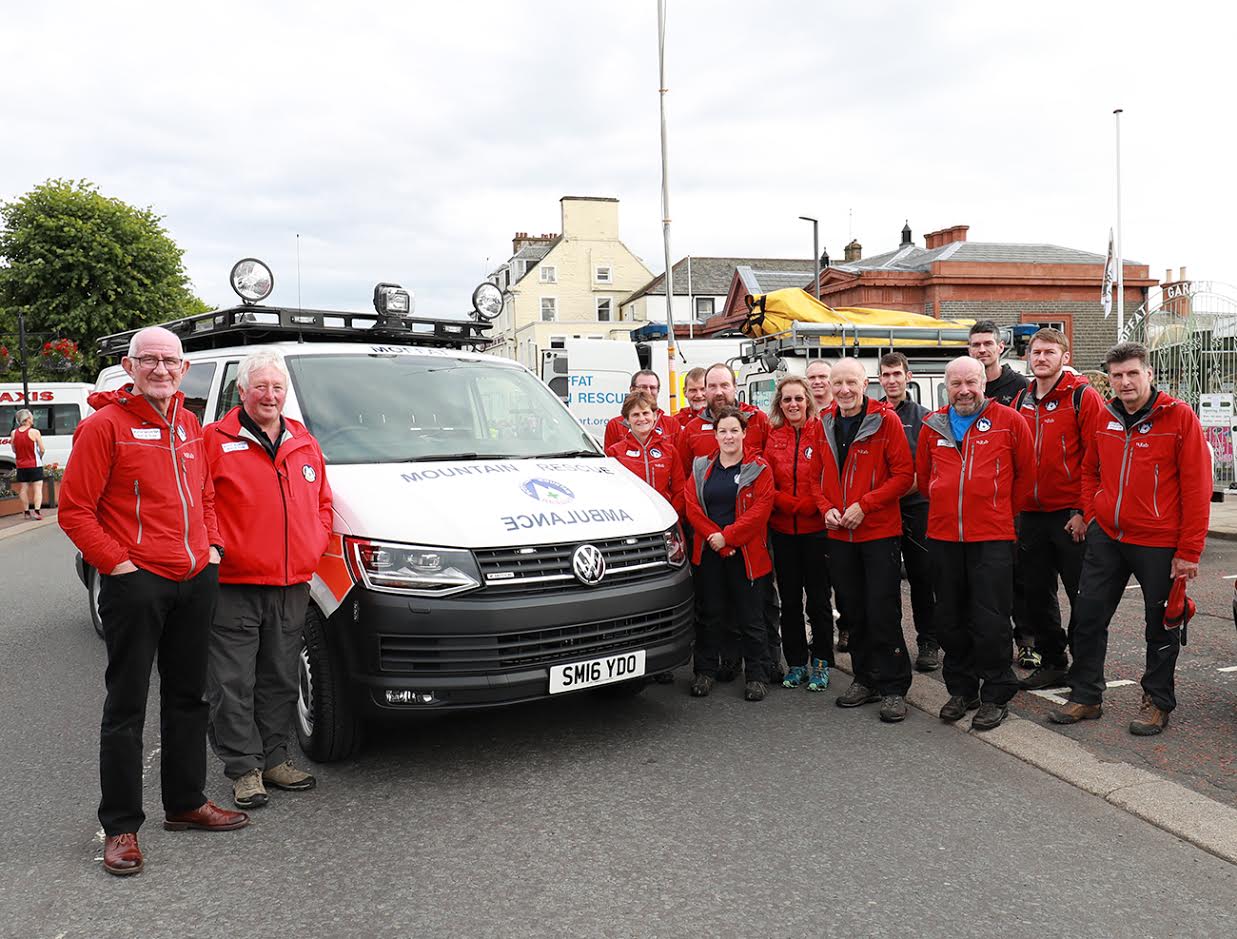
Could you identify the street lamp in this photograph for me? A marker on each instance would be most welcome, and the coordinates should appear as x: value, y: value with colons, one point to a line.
x: 815, y: 253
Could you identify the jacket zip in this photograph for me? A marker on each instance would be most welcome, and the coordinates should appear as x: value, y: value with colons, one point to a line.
x: 1064, y: 462
x: 1125, y: 458
x: 996, y: 483
x: 1155, y: 492
x: 180, y: 490
x: 794, y: 481
x: 1039, y: 439
x: 961, y: 481
x: 137, y: 492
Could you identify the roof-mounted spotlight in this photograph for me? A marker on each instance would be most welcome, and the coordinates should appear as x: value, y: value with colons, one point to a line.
x: 252, y: 280
x: 392, y: 302
x: 487, y: 301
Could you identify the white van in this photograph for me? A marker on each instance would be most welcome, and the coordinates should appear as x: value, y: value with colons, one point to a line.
x: 58, y: 407
x: 486, y: 552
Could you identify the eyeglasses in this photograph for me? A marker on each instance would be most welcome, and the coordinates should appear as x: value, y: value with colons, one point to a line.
x: 152, y: 362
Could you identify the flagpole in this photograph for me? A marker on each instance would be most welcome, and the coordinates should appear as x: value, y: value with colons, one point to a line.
x: 665, y: 206
x: 1120, y: 260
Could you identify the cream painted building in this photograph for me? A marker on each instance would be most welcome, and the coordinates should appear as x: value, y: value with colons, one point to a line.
x: 566, y: 286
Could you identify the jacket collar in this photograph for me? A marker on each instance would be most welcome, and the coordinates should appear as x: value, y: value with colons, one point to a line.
x: 870, y: 424
x: 939, y: 420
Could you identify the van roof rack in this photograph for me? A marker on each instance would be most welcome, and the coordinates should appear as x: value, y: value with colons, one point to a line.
x: 250, y: 324
x: 815, y: 340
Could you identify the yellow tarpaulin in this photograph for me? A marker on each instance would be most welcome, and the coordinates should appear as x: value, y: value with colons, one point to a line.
x: 773, y: 312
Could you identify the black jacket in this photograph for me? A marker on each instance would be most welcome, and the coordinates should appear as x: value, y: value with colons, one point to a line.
x: 911, y: 414
x: 1006, y: 387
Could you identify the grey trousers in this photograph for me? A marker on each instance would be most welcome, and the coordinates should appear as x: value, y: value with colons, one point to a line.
x: 251, y: 681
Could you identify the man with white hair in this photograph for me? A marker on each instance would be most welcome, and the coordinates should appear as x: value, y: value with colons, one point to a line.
x: 274, y: 508
x: 138, y: 503
x: 975, y: 464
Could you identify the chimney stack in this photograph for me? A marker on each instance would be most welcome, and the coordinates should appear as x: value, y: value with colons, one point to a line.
x: 945, y: 236
x: 853, y: 251
x: 522, y: 238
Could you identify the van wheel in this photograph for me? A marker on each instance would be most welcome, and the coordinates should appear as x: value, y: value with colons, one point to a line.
x: 326, y: 722
x: 96, y: 583
x: 622, y: 689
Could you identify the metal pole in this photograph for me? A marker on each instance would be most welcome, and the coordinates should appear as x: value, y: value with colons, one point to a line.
x: 1120, y: 261
x: 691, y: 302
x: 815, y: 253
x: 21, y: 345
x: 665, y: 205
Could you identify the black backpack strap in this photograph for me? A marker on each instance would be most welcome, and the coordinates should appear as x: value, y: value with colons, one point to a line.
x: 1016, y: 404
x: 1078, y: 393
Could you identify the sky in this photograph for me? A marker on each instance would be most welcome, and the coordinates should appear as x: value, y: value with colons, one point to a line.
x: 408, y: 143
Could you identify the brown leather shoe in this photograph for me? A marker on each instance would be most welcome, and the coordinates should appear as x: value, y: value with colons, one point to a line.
x: 207, y: 817
x: 1072, y: 712
x: 121, y: 855
x: 1150, y: 721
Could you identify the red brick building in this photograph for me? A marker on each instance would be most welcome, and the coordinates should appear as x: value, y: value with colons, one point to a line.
x: 953, y: 278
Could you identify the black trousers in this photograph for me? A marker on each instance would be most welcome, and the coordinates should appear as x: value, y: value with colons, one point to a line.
x: 1045, y: 550
x: 148, y: 618
x: 801, y: 566
x: 729, y: 604
x: 919, y: 569
x: 974, y: 596
x: 251, y: 684
x: 869, y: 586
x: 1106, y: 571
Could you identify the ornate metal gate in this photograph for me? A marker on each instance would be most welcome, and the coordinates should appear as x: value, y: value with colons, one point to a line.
x: 1190, y: 328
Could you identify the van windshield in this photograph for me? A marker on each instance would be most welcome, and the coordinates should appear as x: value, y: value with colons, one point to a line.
x: 374, y: 408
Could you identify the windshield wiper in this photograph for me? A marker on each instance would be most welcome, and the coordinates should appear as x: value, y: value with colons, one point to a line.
x: 444, y: 457
x: 564, y: 454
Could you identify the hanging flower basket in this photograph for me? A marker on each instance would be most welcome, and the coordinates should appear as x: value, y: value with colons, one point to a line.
x: 6, y: 359
x: 61, y: 355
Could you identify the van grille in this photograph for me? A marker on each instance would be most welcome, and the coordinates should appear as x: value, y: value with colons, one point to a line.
x: 538, y: 648
x: 547, y: 568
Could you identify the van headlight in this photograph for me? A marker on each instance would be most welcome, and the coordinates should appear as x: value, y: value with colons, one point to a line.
x: 676, y: 546
x: 413, y: 569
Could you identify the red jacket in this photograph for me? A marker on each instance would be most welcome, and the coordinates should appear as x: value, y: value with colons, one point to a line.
x: 657, y: 463
x: 877, y: 473
x: 685, y: 414
x: 1063, y: 424
x: 275, y: 515
x: 753, y: 503
x: 977, y: 485
x: 697, y: 438
x: 794, y: 455
x: 1150, y: 485
x: 136, y: 488
x: 667, y: 427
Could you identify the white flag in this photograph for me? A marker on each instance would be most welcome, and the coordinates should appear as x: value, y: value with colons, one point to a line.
x: 1110, y: 275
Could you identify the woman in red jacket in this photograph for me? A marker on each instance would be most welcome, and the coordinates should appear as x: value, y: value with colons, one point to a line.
x: 650, y: 456
x: 800, y: 543
x: 728, y: 505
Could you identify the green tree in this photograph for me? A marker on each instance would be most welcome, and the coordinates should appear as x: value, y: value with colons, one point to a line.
x: 81, y: 265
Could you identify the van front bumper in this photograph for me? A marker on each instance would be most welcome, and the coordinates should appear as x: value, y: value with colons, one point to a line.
x: 470, y: 651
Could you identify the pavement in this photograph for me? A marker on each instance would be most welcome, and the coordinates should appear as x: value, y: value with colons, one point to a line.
x: 1223, y: 522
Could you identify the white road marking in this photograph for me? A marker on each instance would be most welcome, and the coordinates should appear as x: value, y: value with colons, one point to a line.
x: 1055, y: 694
x: 1120, y: 682
x: 1229, y: 577
x: 1230, y: 668
x: 1134, y: 587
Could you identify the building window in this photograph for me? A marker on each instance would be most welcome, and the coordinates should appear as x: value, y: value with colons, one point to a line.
x: 602, y: 274
x: 521, y: 268
x: 549, y: 309
x: 604, y: 306
x: 704, y: 307
x: 549, y: 274
x: 558, y: 342
x: 1063, y: 322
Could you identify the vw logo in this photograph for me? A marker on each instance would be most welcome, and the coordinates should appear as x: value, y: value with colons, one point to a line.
x: 588, y: 564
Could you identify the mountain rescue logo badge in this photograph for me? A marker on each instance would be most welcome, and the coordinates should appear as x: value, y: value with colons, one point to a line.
x: 655, y: 453
x: 308, y: 472
x: 1144, y: 428
x: 983, y: 424
x: 547, y: 490
x: 1051, y: 405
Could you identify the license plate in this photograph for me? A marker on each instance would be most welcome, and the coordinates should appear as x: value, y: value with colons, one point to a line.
x: 596, y: 672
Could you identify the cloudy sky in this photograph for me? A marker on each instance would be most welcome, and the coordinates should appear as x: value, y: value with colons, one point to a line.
x: 408, y: 143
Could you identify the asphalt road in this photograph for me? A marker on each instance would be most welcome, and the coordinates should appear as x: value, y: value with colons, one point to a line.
x: 662, y: 815
x: 1199, y: 748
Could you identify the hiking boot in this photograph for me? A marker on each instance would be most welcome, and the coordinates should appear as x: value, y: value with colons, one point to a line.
x: 989, y: 716
x: 893, y: 708
x: 755, y: 691
x: 728, y: 670
x: 798, y: 675
x: 1046, y: 676
x: 248, y: 791
x: 288, y: 777
x: 701, y: 685
x: 843, y: 643
x: 1029, y: 658
x: 1150, y: 721
x: 818, y: 678
x: 929, y: 657
x: 956, y: 707
x: 1072, y: 712
x: 857, y: 694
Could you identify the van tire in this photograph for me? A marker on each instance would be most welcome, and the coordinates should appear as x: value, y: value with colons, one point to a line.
x: 96, y: 582
x: 327, y: 726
